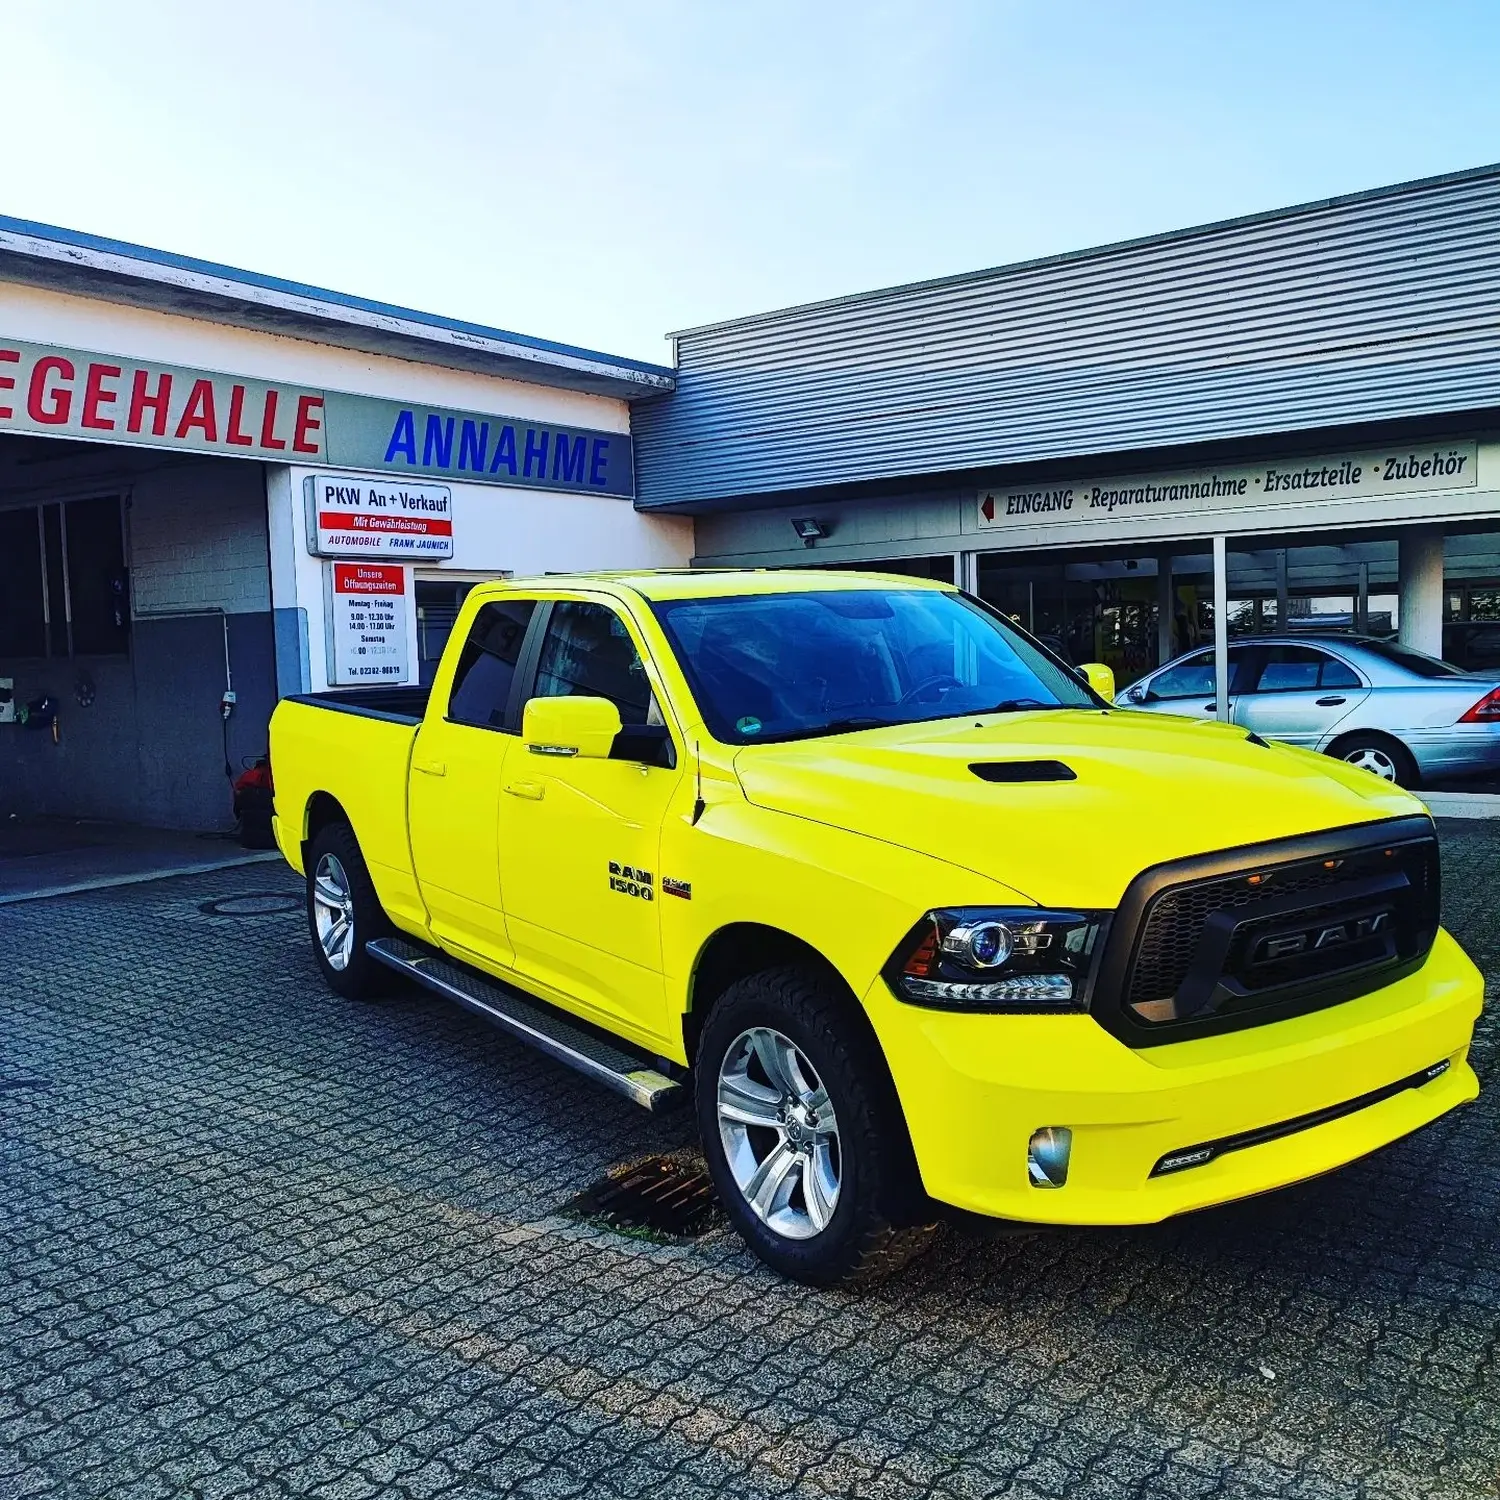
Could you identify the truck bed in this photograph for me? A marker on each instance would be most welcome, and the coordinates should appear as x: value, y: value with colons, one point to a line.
x: 404, y: 705
x: 354, y: 746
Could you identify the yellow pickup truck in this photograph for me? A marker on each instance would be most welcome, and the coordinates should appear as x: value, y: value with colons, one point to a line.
x: 916, y: 916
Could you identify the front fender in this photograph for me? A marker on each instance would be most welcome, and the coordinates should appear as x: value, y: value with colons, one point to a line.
x: 850, y: 897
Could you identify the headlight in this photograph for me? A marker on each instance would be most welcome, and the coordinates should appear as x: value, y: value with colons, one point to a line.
x: 998, y: 958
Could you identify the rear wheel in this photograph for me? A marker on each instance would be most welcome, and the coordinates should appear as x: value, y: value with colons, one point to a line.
x: 1380, y: 755
x: 344, y: 913
x: 802, y: 1132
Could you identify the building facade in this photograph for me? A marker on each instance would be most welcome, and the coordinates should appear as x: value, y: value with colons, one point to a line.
x: 1297, y: 413
x: 217, y: 488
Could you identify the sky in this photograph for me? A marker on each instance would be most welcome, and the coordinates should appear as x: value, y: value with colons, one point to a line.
x: 603, y: 174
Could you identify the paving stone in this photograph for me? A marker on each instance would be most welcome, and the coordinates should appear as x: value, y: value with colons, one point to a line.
x: 257, y: 1241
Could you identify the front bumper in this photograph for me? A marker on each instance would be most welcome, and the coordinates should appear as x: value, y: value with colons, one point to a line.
x: 975, y: 1087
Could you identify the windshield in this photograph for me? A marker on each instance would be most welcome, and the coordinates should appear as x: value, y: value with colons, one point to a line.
x: 787, y: 666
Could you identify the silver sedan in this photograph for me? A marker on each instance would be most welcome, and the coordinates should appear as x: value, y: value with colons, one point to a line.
x: 1405, y: 716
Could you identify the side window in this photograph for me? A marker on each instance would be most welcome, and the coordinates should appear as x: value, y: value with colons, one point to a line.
x: 1191, y: 678
x: 588, y: 652
x: 1338, y: 674
x: 487, y: 664
x: 1300, y: 669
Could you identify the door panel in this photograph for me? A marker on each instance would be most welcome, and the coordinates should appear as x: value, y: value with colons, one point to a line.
x: 454, y: 814
x: 580, y: 841
x: 579, y: 838
x: 1300, y: 695
x: 457, y: 765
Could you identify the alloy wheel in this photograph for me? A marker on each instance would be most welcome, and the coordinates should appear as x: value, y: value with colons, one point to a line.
x: 780, y: 1133
x: 333, y: 911
x: 1372, y: 758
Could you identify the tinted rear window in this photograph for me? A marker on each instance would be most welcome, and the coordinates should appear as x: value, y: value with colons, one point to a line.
x: 1415, y: 662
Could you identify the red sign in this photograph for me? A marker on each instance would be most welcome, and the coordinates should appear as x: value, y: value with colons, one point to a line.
x: 369, y: 578
x: 65, y: 393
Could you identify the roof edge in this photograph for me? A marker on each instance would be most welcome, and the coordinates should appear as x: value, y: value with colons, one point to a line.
x: 123, y: 260
x: 1111, y: 247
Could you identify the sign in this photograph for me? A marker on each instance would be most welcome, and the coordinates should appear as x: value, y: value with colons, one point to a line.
x: 367, y: 518
x: 70, y: 393
x: 367, y: 623
x: 1349, y: 477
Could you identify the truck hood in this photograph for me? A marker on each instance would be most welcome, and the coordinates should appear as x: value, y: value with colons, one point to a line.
x: 1147, y: 788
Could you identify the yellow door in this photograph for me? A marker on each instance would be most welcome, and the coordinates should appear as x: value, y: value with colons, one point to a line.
x: 457, y: 765
x: 579, y: 837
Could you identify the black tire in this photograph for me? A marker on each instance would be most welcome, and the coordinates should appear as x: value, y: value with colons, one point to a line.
x: 359, y: 977
x: 1375, y: 752
x: 876, y: 1225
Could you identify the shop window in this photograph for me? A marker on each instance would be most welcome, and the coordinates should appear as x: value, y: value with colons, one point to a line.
x: 94, y: 553
x: 487, y: 665
x: 23, y: 623
x: 438, y: 604
x: 64, y: 590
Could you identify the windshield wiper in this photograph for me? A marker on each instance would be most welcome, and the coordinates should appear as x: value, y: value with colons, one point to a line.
x: 844, y: 726
x: 1014, y: 705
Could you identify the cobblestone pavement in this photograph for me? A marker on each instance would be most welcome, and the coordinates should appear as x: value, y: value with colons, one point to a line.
x: 259, y: 1241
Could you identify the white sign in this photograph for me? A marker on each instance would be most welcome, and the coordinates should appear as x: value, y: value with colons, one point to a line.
x: 367, y: 623
x: 1352, y: 477
x: 377, y: 518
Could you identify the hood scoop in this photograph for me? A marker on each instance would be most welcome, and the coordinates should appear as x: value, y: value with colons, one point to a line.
x: 1009, y: 771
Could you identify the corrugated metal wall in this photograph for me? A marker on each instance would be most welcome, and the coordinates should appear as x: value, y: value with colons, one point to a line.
x: 1379, y: 306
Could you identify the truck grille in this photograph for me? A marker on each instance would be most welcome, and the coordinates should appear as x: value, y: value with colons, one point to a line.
x: 1235, y: 939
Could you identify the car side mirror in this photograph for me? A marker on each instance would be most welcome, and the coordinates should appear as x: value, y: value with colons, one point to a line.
x: 1139, y: 694
x: 1100, y: 678
x: 584, y: 727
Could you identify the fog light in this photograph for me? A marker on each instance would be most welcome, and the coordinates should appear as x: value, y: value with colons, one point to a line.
x: 1047, y: 1156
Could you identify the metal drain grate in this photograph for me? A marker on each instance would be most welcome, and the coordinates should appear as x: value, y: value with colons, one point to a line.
x: 656, y: 1197
x: 253, y: 904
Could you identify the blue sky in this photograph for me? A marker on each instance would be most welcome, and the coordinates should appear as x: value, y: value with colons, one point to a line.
x: 604, y: 173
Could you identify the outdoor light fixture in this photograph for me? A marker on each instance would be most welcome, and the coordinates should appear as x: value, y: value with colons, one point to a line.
x: 1047, y: 1156
x: 809, y: 530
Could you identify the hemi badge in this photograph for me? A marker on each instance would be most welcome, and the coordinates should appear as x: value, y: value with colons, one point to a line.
x: 670, y: 887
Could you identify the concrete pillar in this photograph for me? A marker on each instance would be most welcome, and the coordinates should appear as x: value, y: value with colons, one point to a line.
x: 1282, y: 594
x: 1421, y: 564
x: 1221, y: 629
x: 1362, y: 600
x: 966, y: 572
x: 1166, y: 608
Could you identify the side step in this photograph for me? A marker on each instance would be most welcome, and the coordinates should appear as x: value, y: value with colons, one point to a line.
x: 606, y: 1061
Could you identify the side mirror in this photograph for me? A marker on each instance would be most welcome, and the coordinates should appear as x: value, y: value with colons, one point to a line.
x: 570, y: 726
x: 1139, y: 694
x: 1100, y: 678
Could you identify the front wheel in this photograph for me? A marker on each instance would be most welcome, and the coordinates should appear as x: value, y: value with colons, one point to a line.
x: 802, y: 1133
x: 344, y: 913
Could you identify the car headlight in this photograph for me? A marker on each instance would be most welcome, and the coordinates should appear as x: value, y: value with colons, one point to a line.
x: 998, y: 958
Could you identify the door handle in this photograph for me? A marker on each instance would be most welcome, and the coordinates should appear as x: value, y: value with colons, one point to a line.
x: 430, y: 767
x: 533, y: 790
x: 1331, y: 702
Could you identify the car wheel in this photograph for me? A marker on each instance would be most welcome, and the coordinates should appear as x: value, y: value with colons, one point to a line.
x: 802, y: 1132
x: 344, y: 913
x: 1377, y: 753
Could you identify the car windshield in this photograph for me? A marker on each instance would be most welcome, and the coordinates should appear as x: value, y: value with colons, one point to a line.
x: 789, y: 666
x: 1418, y: 663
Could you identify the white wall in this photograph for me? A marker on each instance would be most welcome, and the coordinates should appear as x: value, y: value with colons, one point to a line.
x: 34, y: 315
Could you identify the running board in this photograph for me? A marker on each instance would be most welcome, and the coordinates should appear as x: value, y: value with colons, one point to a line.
x: 606, y: 1061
